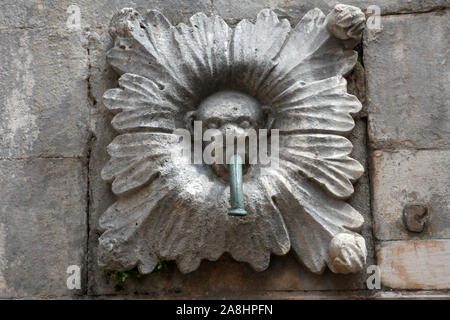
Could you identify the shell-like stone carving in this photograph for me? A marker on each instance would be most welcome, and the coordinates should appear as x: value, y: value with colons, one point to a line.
x: 168, y: 209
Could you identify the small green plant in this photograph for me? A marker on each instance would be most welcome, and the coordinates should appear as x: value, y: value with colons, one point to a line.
x: 120, y: 277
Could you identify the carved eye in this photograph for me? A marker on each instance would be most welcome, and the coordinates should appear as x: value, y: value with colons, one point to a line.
x: 213, y: 125
x: 245, y: 124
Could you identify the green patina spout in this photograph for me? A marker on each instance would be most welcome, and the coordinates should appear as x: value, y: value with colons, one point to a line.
x: 236, y: 190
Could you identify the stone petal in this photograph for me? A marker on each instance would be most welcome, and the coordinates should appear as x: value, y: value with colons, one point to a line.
x: 121, y: 246
x: 173, y: 211
x: 309, y: 54
x: 324, y: 159
x: 262, y: 232
x: 255, y: 48
x: 136, y: 159
x: 322, y: 106
x: 141, y: 104
x: 147, y: 47
x: 312, y: 217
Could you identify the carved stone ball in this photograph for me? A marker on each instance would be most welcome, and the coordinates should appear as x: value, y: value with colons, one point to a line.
x: 347, y: 253
x: 346, y: 22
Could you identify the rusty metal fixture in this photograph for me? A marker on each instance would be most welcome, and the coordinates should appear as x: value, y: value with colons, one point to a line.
x: 415, y: 216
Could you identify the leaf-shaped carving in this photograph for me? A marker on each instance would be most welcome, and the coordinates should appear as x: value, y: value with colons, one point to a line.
x: 140, y: 104
x: 147, y: 47
x: 206, y: 43
x: 309, y: 54
x: 325, y: 159
x: 260, y: 43
x: 170, y: 209
x: 322, y: 106
x: 311, y: 216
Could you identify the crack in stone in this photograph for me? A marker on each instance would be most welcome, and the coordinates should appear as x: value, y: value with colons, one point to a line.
x: 425, y: 10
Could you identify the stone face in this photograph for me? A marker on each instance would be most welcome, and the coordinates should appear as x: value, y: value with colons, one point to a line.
x: 42, y: 226
x: 408, y: 76
x: 54, y: 14
x: 101, y: 197
x: 43, y: 103
x: 415, y: 264
x: 404, y: 178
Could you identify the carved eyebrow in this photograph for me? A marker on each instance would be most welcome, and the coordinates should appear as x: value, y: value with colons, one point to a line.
x: 214, y: 119
x: 249, y: 119
x: 245, y: 118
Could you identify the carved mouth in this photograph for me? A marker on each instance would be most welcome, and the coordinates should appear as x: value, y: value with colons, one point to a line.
x: 223, y: 170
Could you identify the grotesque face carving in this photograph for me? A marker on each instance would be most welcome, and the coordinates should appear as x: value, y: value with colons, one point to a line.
x: 172, y: 209
x: 233, y: 113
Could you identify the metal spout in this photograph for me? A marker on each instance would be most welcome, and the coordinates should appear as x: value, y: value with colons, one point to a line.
x: 236, y: 190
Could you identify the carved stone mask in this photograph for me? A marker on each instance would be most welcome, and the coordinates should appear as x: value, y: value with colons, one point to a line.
x: 230, y: 110
x: 232, y: 113
x: 233, y: 80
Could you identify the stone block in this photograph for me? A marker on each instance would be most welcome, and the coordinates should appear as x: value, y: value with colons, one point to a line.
x: 43, y: 226
x: 404, y: 178
x: 408, y: 73
x: 415, y: 264
x: 225, y: 277
x: 56, y: 14
x: 43, y: 104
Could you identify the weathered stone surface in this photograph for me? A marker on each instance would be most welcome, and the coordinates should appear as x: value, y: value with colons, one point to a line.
x: 43, y: 103
x: 234, y: 10
x: 54, y: 14
x: 408, y: 73
x: 415, y: 264
x: 43, y: 226
x: 408, y: 177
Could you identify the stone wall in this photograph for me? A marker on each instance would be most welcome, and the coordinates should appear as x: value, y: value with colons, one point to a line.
x: 54, y: 132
